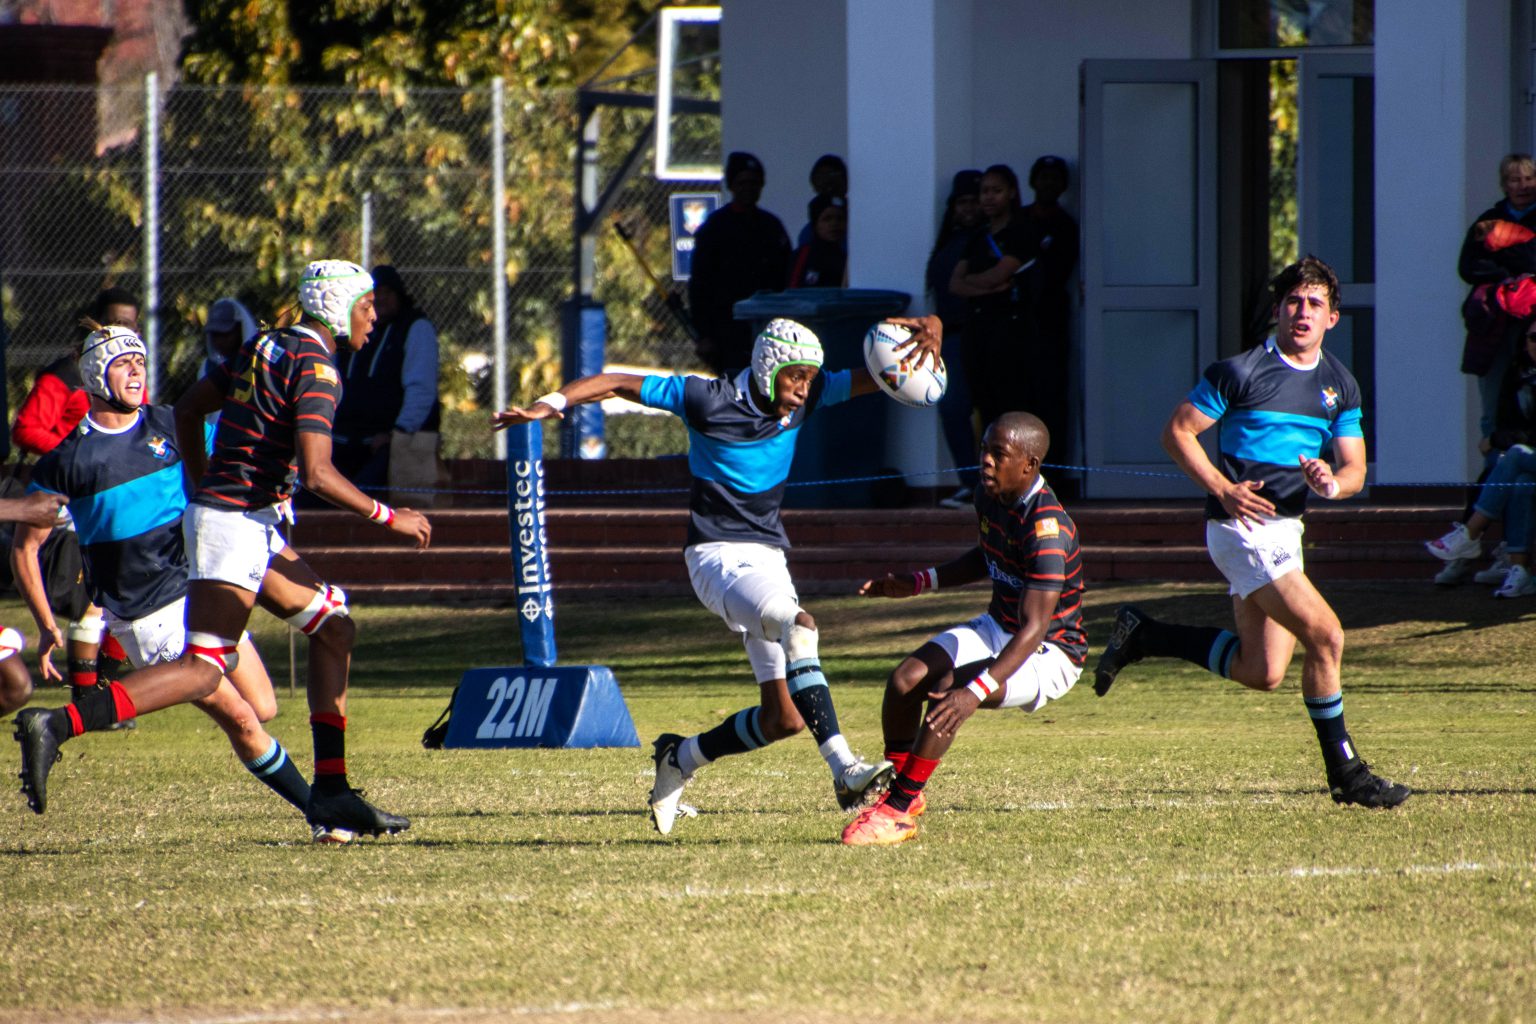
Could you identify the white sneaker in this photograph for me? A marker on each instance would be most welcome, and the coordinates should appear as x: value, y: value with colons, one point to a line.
x: 1456, y: 544
x: 667, y: 793
x: 1496, y: 572
x: 1457, y: 570
x: 862, y: 783
x: 1519, y: 583
x: 965, y: 497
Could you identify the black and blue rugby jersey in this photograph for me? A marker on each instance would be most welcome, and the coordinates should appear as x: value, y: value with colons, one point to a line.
x: 739, y: 455
x: 1032, y: 545
x: 1272, y: 412
x: 126, y: 493
x: 280, y: 384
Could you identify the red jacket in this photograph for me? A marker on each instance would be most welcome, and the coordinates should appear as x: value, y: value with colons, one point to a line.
x: 51, y: 410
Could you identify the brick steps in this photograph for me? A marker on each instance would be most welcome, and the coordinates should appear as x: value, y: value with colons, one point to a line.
x: 636, y: 552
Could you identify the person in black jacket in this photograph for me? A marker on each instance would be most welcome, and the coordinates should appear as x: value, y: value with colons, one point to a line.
x: 741, y: 249
x: 389, y: 390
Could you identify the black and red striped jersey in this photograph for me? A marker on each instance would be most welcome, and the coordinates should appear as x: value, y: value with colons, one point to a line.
x: 1032, y: 545
x: 280, y: 384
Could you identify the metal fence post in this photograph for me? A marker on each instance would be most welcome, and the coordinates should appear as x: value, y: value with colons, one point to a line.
x: 499, y: 250
x: 151, y: 324
x: 367, y: 230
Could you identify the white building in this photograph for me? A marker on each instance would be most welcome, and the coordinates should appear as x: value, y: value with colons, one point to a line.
x: 1160, y: 107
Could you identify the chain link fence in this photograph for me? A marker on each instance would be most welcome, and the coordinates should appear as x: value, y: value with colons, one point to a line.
x: 246, y: 185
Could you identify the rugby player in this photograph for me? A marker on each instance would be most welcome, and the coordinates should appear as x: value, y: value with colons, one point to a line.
x: 742, y: 432
x: 121, y: 471
x: 276, y: 399
x: 1280, y: 405
x: 1027, y: 648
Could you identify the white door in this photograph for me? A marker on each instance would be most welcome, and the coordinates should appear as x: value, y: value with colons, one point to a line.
x: 1149, y: 263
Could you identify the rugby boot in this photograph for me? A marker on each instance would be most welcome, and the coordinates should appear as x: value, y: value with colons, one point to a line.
x: 1355, y: 783
x: 880, y: 825
x: 1124, y: 648
x: 39, y: 751
x: 327, y: 835
x: 918, y: 805
x: 346, y: 810
x: 862, y: 783
x: 667, y: 792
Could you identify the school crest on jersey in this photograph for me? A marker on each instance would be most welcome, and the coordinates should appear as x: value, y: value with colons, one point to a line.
x: 1330, y: 399
x: 1047, y: 527
x: 157, y: 447
x: 326, y: 374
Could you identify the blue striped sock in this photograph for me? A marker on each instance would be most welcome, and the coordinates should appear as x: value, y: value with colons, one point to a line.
x: 277, y: 770
x: 1327, y: 714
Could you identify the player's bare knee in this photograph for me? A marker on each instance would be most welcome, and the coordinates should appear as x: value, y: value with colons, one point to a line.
x: 1327, y: 642
x: 907, y: 677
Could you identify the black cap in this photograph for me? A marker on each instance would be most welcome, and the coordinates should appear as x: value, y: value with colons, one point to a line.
x: 1049, y: 163
x: 965, y: 183
x: 740, y: 161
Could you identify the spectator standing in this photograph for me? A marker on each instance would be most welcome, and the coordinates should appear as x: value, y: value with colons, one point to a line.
x: 1050, y: 379
x: 999, y: 328
x: 829, y: 179
x: 229, y: 324
x: 388, y: 419
x: 1480, y: 264
x: 823, y: 261
x: 962, y: 218
x: 740, y: 250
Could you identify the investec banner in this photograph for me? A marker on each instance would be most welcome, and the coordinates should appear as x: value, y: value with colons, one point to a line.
x: 530, y: 543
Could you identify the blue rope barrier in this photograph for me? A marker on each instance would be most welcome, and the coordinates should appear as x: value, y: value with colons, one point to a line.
x: 839, y: 481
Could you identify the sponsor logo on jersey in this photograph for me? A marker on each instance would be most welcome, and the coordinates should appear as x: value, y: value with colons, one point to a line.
x: 158, y: 448
x: 1047, y: 527
x: 327, y: 374
x: 999, y: 576
x: 1330, y: 399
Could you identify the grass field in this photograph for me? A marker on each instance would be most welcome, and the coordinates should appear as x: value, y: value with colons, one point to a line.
x: 1165, y: 854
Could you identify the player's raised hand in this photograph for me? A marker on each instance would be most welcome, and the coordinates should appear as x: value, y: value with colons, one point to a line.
x: 412, y: 524
x: 517, y: 414
x: 1242, y: 502
x: 890, y: 586
x: 927, y: 337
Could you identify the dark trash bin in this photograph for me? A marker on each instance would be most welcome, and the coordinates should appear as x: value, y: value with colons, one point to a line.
x: 839, y: 441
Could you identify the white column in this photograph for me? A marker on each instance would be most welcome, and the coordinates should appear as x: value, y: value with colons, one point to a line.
x: 909, y: 129
x: 1442, y: 72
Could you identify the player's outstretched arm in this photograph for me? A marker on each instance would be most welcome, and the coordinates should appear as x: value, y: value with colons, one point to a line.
x: 321, y: 476
x: 40, y: 508
x: 968, y: 568
x: 28, y: 570
x: 1181, y: 440
x: 577, y: 392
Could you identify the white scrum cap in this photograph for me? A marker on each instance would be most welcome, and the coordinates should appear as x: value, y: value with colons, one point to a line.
x: 329, y: 290
x: 101, y: 347
x: 783, y: 343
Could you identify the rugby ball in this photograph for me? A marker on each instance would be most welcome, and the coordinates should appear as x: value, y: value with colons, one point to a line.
x: 897, y: 373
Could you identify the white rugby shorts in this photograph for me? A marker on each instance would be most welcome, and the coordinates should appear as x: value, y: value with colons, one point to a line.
x: 231, y: 546
x: 1256, y: 555
x: 150, y: 639
x: 739, y: 582
x: 1046, y: 675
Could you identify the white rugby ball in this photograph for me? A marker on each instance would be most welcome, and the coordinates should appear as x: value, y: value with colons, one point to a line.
x: 897, y: 373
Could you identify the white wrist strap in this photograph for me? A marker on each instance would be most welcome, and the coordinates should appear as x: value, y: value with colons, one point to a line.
x: 555, y: 400
x: 983, y: 686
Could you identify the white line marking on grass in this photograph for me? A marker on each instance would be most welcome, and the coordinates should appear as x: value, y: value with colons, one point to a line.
x: 393, y: 1013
